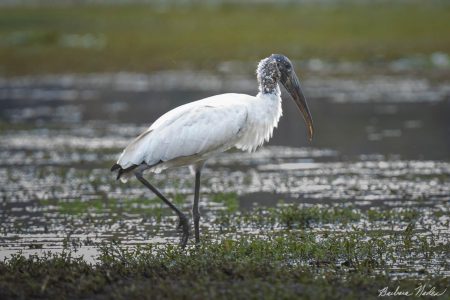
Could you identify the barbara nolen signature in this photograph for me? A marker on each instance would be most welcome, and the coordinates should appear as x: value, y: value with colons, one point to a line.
x: 421, y: 290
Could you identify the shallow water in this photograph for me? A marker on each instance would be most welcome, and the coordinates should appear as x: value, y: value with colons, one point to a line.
x: 382, y: 142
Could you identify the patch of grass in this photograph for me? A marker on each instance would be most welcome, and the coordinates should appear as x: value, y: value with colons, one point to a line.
x: 286, y: 266
x: 152, y: 206
x: 44, y: 39
x: 229, y: 200
x: 293, y: 216
x: 290, y: 217
x: 406, y: 215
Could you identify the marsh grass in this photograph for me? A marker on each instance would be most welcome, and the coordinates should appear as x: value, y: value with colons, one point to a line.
x: 152, y: 207
x: 62, y: 39
x: 292, y: 264
x: 294, y: 254
x: 229, y: 200
x: 293, y: 216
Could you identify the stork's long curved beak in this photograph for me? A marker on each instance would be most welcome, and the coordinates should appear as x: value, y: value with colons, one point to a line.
x: 292, y: 85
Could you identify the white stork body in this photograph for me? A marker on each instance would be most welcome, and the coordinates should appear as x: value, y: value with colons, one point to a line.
x: 193, y: 132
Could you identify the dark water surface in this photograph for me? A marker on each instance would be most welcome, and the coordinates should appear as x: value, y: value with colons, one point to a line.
x: 388, y: 115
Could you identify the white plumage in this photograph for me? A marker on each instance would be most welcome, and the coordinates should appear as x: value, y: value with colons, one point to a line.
x: 195, y: 131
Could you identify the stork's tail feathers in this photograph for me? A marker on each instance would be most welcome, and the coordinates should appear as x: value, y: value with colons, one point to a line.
x: 124, y: 174
x: 117, y: 167
x: 121, y: 170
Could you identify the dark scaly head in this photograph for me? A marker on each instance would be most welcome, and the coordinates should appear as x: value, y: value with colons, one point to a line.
x: 278, y: 68
x: 268, y: 76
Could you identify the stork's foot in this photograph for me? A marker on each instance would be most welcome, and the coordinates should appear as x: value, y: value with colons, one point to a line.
x: 183, y: 227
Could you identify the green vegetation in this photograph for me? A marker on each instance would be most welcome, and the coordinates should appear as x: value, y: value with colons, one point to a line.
x: 152, y: 207
x: 229, y: 200
x: 284, y: 252
x: 36, y: 40
x: 296, y: 217
x: 294, y: 264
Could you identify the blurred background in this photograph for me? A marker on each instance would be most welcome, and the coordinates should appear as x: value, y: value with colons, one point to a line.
x: 376, y: 73
x: 80, y: 79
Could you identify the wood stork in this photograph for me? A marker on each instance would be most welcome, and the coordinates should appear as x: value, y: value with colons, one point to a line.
x: 190, y: 134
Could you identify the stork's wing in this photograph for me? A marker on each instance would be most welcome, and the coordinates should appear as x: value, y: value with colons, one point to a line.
x: 200, y: 127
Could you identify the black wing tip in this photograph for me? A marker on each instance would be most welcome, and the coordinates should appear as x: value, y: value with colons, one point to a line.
x: 122, y: 170
x: 115, y: 167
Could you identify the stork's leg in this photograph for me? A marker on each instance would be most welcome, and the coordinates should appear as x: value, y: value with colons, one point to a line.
x: 195, y: 210
x: 184, y: 223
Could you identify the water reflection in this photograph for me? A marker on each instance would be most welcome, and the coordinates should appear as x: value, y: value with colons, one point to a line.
x: 389, y: 115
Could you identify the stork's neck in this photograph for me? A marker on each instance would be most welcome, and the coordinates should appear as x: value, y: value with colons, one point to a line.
x: 268, y: 76
x: 269, y: 89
